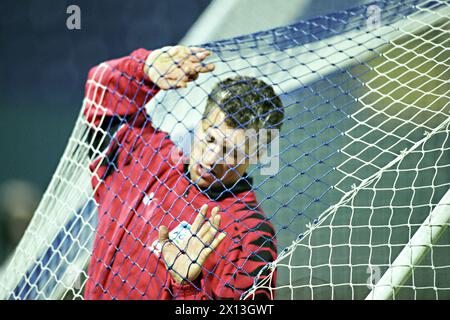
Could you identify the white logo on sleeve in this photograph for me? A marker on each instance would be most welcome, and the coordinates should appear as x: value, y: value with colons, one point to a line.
x: 148, y: 198
x: 177, y: 235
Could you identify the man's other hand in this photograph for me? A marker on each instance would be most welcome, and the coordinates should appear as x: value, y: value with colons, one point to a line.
x: 185, y: 259
x: 173, y: 67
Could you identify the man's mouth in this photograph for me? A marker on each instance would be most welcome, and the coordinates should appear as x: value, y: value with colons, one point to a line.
x: 204, y: 172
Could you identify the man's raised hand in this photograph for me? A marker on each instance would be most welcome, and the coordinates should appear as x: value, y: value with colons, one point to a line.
x: 173, y: 67
x: 186, y: 258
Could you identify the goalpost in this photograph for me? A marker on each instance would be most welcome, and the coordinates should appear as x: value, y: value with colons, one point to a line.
x: 360, y: 201
x: 427, y: 235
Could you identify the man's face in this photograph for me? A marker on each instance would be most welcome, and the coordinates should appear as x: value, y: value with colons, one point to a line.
x: 218, y: 153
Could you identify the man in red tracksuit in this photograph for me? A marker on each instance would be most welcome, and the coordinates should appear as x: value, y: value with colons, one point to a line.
x: 157, y: 237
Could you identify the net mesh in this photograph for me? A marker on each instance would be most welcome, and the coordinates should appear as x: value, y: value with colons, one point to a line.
x: 361, y: 161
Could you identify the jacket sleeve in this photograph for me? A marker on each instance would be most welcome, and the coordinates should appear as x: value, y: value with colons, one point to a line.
x: 116, y: 92
x: 118, y: 88
x: 239, y: 266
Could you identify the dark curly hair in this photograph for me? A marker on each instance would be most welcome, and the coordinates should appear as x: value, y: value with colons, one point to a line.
x: 248, y: 103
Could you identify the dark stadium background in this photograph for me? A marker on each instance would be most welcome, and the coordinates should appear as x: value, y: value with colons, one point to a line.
x: 44, y: 65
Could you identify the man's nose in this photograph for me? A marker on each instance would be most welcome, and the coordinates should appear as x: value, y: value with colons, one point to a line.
x: 212, y: 156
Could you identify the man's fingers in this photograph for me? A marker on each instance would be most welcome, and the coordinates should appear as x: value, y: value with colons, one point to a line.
x: 208, y: 230
x: 203, y: 230
x: 163, y: 234
x: 204, y: 211
x: 174, y: 67
x: 217, y: 240
x: 165, y: 84
x: 211, y: 232
x: 215, y: 217
x: 188, y: 71
x: 215, y: 210
x: 197, y: 55
x: 211, y: 227
x: 197, y: 60
x: 185, y: 67
x: 194, y: 54
x: 207, y: 251
x: 201, y: 217
x: 201, y: 68
x: 192, y: 69
x: 204, y: 226
x: 199, y: 51
x: 178, y: 74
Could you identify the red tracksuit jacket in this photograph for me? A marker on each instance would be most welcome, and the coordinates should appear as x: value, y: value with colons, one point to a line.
x: 139, y: 185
